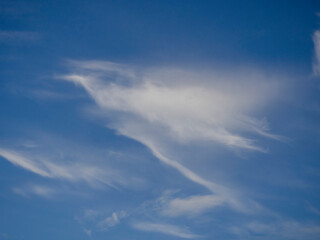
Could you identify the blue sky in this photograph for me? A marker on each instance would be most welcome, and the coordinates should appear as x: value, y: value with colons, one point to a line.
x: 159, y: 120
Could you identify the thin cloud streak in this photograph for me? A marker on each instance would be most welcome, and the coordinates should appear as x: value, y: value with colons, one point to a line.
x: 278, y: 229
x: 192, y: 205
x: 74, y: 172
x: 35, y: 189
x: 165, y: 229
x: 23, y: 162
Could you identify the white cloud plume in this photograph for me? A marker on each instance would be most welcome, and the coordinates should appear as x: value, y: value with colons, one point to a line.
x: 167, y: 229
x: 162, y: 107
x: 189, y: 112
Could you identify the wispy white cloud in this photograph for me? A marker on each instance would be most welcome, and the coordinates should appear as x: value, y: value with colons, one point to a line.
x: 316, y: 62
x: 182, y: 169
x: 23, y: 162
x: 35, y: 189
x: 70, y: 171
x: 162, y: 107
x: 167, y: 229
x: 170, y: 205
x: 278, y: 229
x: 111, y: 221
x: 226, y: 196
x: 188, y: 111
x: 100, y: 220
x: 192, y: 205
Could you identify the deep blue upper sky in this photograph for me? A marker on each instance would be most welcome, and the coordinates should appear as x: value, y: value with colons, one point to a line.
x: 159, y: 120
